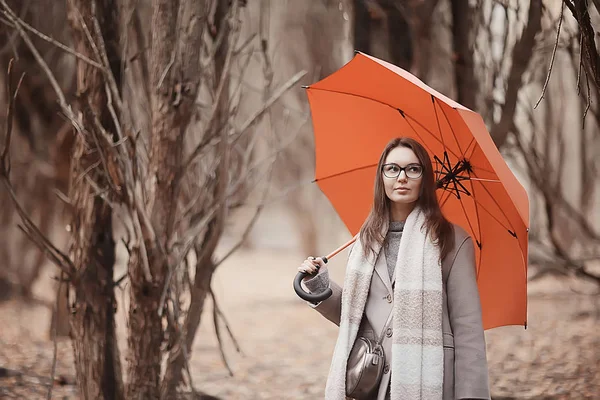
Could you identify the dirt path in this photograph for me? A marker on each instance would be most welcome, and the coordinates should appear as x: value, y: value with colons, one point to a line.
x: 287, y: 346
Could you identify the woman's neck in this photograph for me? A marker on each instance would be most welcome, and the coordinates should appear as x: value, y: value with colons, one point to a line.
x: 400, y: 211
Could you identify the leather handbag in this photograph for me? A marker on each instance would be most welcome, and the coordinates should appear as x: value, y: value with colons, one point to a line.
x: 365, y: 366
x: 364, y: 369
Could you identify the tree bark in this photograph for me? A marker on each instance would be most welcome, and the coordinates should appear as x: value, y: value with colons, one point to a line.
x: 175, y: 78
x: 93, y: 331
x: 464, y: 65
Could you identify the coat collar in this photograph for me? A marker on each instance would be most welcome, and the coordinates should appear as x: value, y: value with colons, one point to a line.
x: 380, y: 262
x: 382, y: 271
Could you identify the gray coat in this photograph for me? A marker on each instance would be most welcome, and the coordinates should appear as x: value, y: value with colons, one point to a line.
x: 465, y: 363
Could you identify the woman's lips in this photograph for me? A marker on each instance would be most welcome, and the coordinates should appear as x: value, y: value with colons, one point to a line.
x: 402, y: 190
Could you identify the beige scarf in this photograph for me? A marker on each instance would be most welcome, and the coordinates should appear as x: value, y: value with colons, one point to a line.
x: 417, y: 358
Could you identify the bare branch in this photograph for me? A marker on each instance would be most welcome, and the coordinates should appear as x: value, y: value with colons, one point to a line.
x: 50, y: 40
x: 102, y: 54
x: 5, y: 156
x: 276, y: 96
x: 227, y: 326
x: 219, y: 92
x: 218, y: 334
x: 29, y: 227
x: 66, y: 108
x: 591, y: 58
x: 560, y: 19
x: 248, y: 228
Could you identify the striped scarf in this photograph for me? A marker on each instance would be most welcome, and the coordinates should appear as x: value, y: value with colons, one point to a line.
x: 417, y: 358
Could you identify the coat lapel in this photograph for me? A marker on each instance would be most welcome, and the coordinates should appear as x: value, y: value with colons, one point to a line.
x: 382, y: 270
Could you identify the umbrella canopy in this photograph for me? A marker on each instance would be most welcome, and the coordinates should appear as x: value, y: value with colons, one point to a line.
x: 358, y: 109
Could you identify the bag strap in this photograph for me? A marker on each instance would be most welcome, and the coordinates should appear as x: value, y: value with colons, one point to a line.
x: 385, y: 327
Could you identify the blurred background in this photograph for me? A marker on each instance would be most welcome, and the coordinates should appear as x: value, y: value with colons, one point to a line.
x: 161, y: 159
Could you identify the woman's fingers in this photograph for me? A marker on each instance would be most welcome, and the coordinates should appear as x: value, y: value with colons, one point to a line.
x: 309, y: 266
x: 317, y: 261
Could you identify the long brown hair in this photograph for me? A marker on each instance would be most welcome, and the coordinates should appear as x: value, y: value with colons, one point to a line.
x: 441, y: 230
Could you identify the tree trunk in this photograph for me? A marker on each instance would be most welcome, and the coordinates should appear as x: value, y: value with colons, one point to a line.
x: 204, y: 251
x: 175, y: 78
x: 93, y: 332
x: 176, y: 361
x: 520, y: 57
x: 421, y: 13
x: 464, y: 65
x: 400, y: 37
x: 362, y: 26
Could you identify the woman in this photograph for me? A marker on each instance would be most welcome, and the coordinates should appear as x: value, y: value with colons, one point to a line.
x: 419, y: 294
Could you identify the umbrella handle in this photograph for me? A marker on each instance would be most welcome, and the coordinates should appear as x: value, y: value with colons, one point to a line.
x: 312, y: 297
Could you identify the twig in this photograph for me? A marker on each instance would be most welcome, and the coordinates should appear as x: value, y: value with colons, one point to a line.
x: 216, y: 101
x: 101, y: 52
x: 189, y: 238
x: 249, y: 227
x: 100, y: 129
x: 181, y: 332
x: 220, y: 341
x: 61, y: 260
x: 276, y: 96
x: 251, y: 120
x: 589, y: 99
x: 50, y: 40
x: 57, y: 257
x: 5, y: 157
x: 580, y: 64
x: 54, y: 339
x: 66, y: 108
x: 244, y: 236
x: 86, y: 171
x: 62, y: 197
x: 227, y: 326
x: 121, y: 279
x: 560, y: 19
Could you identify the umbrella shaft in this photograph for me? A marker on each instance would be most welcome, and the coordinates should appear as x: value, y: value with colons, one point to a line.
x: 341, y: 248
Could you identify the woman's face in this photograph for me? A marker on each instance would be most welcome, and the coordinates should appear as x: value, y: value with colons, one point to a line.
x: 406, y: 187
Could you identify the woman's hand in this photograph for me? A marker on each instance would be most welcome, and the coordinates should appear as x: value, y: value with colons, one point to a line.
x: 311, y: 266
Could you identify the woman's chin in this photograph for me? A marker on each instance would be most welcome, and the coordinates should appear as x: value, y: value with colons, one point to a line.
x: 402, y: 199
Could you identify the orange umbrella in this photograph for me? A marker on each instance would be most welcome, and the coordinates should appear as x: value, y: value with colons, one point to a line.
x: 358, y: 109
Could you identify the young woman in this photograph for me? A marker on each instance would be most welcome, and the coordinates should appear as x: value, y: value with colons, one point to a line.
x: 411, y: 285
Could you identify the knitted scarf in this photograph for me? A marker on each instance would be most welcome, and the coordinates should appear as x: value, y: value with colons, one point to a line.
x: 417, y: 358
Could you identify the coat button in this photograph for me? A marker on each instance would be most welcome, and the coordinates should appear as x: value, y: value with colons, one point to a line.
x: 388, y: 332
x: 386, y: 369
x: 388, y: 298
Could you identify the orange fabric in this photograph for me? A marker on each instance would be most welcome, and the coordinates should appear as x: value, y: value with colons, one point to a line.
x: 359, y: 108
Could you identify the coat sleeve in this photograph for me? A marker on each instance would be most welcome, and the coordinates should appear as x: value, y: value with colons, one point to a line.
x: 331, y: 308
x: 464, y: 308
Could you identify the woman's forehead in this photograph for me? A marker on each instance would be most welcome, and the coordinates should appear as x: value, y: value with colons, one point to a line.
x: 401, y: 156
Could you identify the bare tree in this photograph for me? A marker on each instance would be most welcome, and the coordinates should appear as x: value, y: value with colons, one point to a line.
x: 175, y: 79
x: 173, y: 199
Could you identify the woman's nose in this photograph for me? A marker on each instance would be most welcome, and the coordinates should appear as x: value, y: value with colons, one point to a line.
x: 402, y: 176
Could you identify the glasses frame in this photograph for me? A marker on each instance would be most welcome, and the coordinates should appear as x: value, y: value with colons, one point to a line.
x: 402, y: 169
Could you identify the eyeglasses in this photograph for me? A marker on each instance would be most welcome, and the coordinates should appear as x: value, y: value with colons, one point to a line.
x: 393, y: 170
